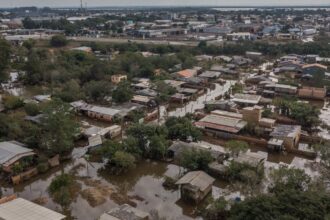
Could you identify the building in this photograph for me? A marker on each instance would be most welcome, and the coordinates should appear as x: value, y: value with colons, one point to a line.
x: 312, y: 93
x: 227, y: 114
x: 12, y: 208
x: 221, y: 124
x: 187, y: 73
x: 250, y: 158
x: 144, y: 100
x: 118, y: 78
x: 125, y: 212
x: 195, y: 185
x: 246, y: 99
x: 210, y: 75
x: 11, y: 152
x: 290, y: 134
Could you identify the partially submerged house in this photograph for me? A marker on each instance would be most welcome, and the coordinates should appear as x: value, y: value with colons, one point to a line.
x: 11, y: 152
x: 290, y: 134
x: 195, y: 185
x: 12, y: 208
x: 125, y: 212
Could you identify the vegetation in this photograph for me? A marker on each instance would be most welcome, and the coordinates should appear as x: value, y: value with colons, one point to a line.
x: 182, y: 129
x: 59, y: 129
x: 236, y: 147
x: 5, y: 51
x: 195, y: 159
x: 12, y: 102
x: 122, y: 93
x: 32, y: 109
x: 63, y: 189
x: 58, y: 41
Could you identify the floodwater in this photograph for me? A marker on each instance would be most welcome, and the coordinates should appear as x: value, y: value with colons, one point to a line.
x: 325, y: 118
x: 141, y: 187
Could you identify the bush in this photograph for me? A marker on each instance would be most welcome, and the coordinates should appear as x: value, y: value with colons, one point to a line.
x: 196, y: 159
x: 32, y: 109
x: 43, y: 167
x: 12, y: 102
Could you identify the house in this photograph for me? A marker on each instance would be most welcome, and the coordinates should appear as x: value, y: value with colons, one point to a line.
x: 221, y: 124
x: 246, y: 99
x: 195, y: 185
x: 312, y: 93
x: 118, y: 78
x: 204, y: 58
x: 227, y: 114
x: 250, y: 158
x: 11, y: 152
x: 210, y: 75
x: 290, y: 134
x: 144, y: 100
x: 225, y: 105
x: 240, y: 36
x: 108, y: 132
x: 83, y: 49
x: 99, y: 112
x: 187, y: 73
x: 125, y: 212
x: 12, y: 208
x: 275, y: 144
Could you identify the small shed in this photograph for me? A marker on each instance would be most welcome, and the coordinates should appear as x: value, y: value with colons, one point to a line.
x: 195, y: 185
x: 125, y: 212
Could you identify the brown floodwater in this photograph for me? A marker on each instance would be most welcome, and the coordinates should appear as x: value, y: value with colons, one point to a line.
x: 141, y: 187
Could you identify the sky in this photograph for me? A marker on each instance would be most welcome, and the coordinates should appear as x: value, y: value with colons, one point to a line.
x: 91, y: 3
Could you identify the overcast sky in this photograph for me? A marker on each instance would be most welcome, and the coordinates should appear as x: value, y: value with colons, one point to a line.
x: 63, y: 3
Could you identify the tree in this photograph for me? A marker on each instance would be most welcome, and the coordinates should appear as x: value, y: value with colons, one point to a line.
x: 122, y: 93
x: 5, y: 51
x: 63, y: 189
x: 59, y: 128
x: 97, y: 90
x: 32, y: 109
x: 236, y: 147
x: 324, y: 151
x: 217, y: 210
x: 158, y: 147
x: 58, y: 41
x: 71, y: 91
x: 182, y: 129
x: 284, y: 178
x: 195, y: 159
x: 12, y: 102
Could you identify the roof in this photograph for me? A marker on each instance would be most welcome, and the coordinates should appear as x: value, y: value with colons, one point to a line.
x: 210, y: 74
x: 246, y: 98
x: 227, y: 114
x: 102, y: 110
x: 223, y: 123
x: 285, y: 131
x: 315, y: 65
x: 198, y: 179
x: 11, y: 151
x: 124, y: 212
x: 187, y: 73
x: 141, y: 98
x: 250, y: 158
x: 21, y: 209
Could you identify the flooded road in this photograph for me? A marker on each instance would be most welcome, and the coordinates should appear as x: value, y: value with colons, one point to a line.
x: 192, y: 106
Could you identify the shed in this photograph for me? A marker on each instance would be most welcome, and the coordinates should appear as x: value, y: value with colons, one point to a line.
x: 195, y: 185
x: 21, y: 209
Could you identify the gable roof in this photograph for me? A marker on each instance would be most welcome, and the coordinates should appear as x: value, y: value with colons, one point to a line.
x: 21, y: 209
x: 11, y: 149
x: 198, y: 179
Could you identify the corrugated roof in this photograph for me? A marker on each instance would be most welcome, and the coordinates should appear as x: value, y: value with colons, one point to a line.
x: 198, y: 179
x: 21, y: 209
x: 11, y: 149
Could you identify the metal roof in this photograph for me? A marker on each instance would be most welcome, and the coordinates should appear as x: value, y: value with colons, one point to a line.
x: 198, y: 179
x: 246, y: 98
x: 286, y: 131
x: 12, y: 149
x: 21, y: 209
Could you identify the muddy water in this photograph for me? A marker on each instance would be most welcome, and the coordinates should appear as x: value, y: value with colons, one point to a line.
x: 141, y: 187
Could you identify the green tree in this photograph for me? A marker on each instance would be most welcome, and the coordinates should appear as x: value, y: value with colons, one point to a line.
x: 71, y: 91
x: 59, y: 128
x: 58, y: 41
x: 63, y: 189
x: 195, y: 159
x: 97, y: 90
x: 123, y: 160
x: 122, y: 93
x: 32, y: 109
x: 182, y: 129
x: 12, y: 102
x: 236, y: 147
x: 158, y: 147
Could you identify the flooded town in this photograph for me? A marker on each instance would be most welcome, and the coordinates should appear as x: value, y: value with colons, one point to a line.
x: 152, y: 113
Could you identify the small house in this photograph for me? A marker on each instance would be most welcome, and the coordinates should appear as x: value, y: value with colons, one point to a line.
x: 246, y: 99
x: 290, y: 134
x: 11, y: 152
x: 195, y: 185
